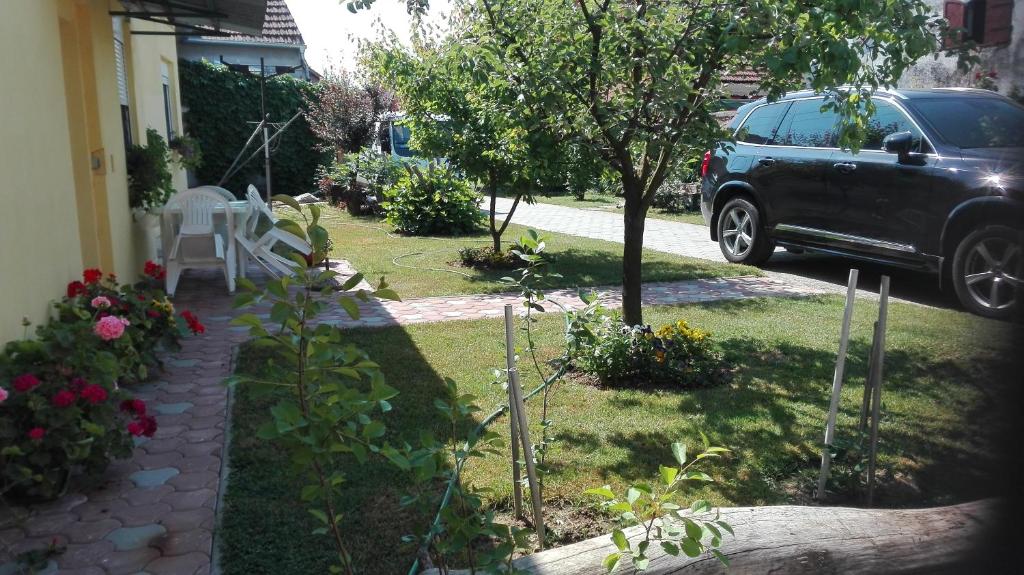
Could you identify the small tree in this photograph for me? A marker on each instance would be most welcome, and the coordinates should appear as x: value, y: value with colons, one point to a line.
x: 637, y: 80
x: 342, y: 113
x: 458, y: 110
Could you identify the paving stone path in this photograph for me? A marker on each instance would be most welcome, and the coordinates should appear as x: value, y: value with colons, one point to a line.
x: 156, y: 512
x: 678, y: 238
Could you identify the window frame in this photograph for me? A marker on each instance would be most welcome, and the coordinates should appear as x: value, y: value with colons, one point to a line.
x: 888, y: 99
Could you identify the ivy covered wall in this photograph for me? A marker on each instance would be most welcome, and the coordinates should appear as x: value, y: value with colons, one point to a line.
x: 218, y: 105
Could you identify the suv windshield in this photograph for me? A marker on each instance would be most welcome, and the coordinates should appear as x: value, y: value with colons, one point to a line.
x: 975, y: 122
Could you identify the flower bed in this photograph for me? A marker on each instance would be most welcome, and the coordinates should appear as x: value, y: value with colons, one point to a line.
x: 63, y: 405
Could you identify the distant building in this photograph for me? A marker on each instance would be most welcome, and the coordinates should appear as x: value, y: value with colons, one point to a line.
x: 280, y: 44
x: 997, y: 26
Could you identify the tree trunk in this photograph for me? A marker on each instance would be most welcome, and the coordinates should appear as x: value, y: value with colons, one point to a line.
x: 633, y: 217
x: 811, y: 540
x: 492, y: 184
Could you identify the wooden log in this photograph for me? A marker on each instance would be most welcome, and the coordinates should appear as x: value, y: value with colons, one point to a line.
x: 807, y: 540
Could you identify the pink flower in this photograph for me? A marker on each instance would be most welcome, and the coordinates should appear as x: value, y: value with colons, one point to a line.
x: 94, y: 394
x: 3, y: 395
x: 63, y: 398
x: 99, y: 302
x: 110, y: 327
x: 36, y: 433
x: 25, y: 382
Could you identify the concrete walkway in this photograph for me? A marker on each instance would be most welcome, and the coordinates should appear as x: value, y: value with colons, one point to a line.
x: 666, y: 236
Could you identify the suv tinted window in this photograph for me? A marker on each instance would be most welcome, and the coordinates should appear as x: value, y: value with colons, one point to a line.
x: 975, y: 122
x: 888, y: 119
x: 806, y: 125
x: 759, y: 127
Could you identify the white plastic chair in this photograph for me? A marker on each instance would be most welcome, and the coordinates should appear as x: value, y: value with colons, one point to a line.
x: 198, y: 242
x: 260, y: 247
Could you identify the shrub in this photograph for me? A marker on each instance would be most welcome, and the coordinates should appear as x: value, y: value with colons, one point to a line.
x: 485, y: 258
x: 432, y: 201
x: 220, y: 104
x: 673, y: 355
x: 55, y: 422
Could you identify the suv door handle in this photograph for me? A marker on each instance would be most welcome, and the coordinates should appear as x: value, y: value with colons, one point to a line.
x: 845, y: 167
x: 766, y: 161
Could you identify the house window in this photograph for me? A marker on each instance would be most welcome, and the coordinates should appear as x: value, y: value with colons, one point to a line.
x: 165, y: 76
x: 122, y: 81
x: 986, y: 22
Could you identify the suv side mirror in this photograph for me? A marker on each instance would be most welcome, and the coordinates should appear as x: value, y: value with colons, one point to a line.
x: 899, y: 143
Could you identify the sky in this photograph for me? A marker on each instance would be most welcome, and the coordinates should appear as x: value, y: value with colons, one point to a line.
x: 332, y: 32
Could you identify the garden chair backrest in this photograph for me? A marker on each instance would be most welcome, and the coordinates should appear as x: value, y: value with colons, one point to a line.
x: 198, y: 207
x: 256, y: 207
x: 219, y: 190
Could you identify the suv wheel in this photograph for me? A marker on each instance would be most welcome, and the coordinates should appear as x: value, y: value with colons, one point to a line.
x: 740, y: 235
x: 988, y: 272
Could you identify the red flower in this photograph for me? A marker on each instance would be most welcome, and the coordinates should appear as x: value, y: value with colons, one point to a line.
x: 94, y: 394
x: 154, y: 270
x: 977, y: 75
x: 140, y: 297
x: 25, y: 382
x: 63, y: 398
x: 136, y: 406
x: 145, y: 425
x: 36, y: 433
x: 193, y: 322
x: 76, y: 288
x: 92, y: 275
x: 152, y: 313
x: 77, y: 385
x: 992, y: 74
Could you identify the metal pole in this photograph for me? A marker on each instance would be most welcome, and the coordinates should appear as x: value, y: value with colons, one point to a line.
x: 837, y: 383
x: 230, y: 171
x: 510, y: 363
x: 524, y: 435
x: 266, y: 134
x: 876, y: 401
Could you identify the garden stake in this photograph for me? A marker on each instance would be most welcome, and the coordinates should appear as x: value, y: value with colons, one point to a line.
x: 510, y: 354
x: 876, y: 401
x: 524, y: 433
x: 837, y: 383
x: 865, y: 402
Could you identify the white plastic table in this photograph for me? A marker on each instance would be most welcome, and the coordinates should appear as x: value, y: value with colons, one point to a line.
x: 239, y: 212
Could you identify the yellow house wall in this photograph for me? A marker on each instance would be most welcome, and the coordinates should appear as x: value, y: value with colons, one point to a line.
x: 63, y: 185
x: 39, y: 239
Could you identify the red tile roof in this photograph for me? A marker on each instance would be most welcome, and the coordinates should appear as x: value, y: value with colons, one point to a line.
x: 279, y: 27
x: 742, y: 77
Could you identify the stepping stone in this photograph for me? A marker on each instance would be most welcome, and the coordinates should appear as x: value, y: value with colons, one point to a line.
x: 137, y: 441
x: 153, y: 477
x: 172, y: 408
x: 219, y: 318
x: 185, y: 362
x: 128, y: 538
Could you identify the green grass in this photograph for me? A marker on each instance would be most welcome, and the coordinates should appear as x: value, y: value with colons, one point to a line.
x: 942, y: 377
x: 606, y: 203
x: 430, y: 266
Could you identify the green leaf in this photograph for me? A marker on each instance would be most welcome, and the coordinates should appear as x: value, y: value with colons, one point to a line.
x: 670, y: 548
x: 679, y: 452
x: 690, y: 547
x: 350, y: 306
x: 632, y: 494
x: 319, y: 515
x: 374, y: 430
x: 288, y: 201
x: 668, y: 474
x: 726, y: 526
x: 352, y: 282
x: 604, y: 492
x: 720, y: 556
x: 611, y: 561
x: 693, y: 531
x: 619, y: 539
x: 387, y: 293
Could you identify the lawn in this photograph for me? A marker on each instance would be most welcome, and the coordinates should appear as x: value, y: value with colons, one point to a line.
x: 423, y: 266
x: 607, y: 203
x: 942, y: 382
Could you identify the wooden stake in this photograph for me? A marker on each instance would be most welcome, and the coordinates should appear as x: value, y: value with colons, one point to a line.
x: 876, y: 399
x: 837, y: 383
x: 865, y: 402
x: 510, y: 363
x: 524, y: 436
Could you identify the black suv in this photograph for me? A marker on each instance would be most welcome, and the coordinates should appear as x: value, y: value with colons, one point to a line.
x: 937, y: 186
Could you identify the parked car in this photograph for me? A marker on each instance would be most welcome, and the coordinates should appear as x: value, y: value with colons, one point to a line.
x: 938, y: 186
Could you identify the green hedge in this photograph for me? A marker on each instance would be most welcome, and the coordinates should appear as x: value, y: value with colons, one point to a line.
x: 221, y: 103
